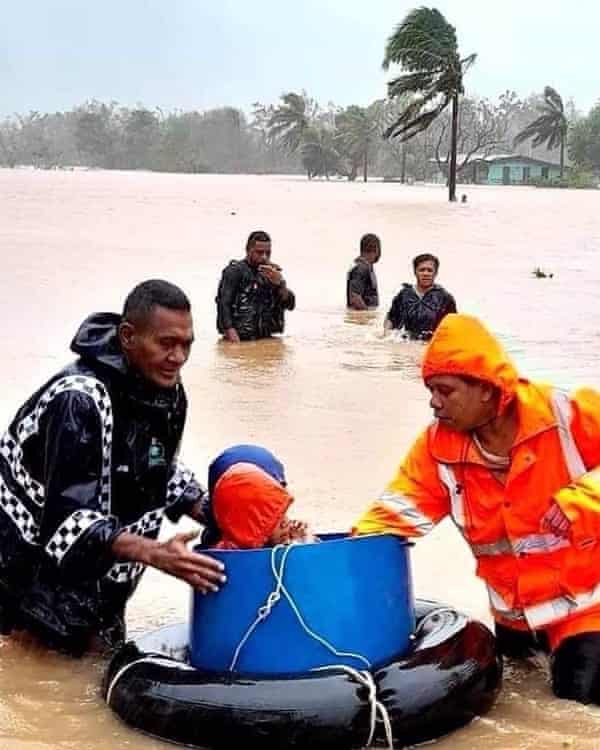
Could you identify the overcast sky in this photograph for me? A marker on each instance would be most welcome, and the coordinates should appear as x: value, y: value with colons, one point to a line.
x: 196, y: 54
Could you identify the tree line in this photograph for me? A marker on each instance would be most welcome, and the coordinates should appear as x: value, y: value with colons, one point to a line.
x: 294, y: 136
x: 425, y: 126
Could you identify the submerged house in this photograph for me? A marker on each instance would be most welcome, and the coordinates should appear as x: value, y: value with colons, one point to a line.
x: 512, y: 169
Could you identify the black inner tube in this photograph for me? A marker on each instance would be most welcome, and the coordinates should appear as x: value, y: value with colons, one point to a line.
x: 451, y: 674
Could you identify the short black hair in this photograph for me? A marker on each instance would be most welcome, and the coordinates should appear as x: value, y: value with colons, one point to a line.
x: 258, y: 235
x: 369, y: 242
x: 418, y: 259
x: 143, y: 298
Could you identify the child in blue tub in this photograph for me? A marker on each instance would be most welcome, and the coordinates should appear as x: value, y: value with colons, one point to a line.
x: 248, y: 501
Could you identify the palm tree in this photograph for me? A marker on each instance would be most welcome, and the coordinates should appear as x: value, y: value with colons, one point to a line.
x: 357, y: 132
x: 319, y: 154
x: 550, y: 127
x: 425, y: 45
x: 290, y: 120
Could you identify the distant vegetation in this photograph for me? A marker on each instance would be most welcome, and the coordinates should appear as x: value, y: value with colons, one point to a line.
x: 426, y: 127
x: 284, y: 138
x: 550, y: 128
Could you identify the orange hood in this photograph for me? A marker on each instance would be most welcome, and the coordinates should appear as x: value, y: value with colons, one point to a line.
x: 462, y: 345
x: 248, y: 504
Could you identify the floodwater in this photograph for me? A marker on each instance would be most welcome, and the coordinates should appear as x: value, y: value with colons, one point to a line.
x: 335, y: 401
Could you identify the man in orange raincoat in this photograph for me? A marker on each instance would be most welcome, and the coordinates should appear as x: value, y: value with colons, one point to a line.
x: 515, y: 464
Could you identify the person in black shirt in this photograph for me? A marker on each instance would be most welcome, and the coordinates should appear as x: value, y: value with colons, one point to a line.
x: 419, y: 308
x: 361, y: 282
x: 252, y: 294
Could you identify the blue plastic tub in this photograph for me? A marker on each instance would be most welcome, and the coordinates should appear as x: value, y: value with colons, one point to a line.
x: 355, y: 592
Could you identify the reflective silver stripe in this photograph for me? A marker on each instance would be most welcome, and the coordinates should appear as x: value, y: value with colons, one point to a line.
x: 541, y: 615
x: 561, y: 406
x: 407, y: 510
x: 457, y: 506
x: 501, y: 547
x: 502, y: 608
x: 532, y: 544
x: 556, y: 609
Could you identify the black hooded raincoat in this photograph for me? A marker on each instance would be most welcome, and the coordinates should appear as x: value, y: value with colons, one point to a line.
x: 91, y: 454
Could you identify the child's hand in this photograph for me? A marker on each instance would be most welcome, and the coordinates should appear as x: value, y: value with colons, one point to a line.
x: 288, y: 531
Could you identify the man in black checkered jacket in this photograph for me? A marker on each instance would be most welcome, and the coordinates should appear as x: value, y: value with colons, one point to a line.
x: 88, y: 469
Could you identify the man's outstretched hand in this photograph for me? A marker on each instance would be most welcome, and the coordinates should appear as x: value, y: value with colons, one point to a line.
x: 173, y: 557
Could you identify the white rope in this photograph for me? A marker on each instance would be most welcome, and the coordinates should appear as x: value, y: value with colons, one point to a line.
x: 273, y: 598
x: 142, y: 660
x: 363, y: 677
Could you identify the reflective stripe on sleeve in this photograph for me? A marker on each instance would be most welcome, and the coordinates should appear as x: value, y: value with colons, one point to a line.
x: 457, y: 506
x: 407, y: 510
x: 561, y: 406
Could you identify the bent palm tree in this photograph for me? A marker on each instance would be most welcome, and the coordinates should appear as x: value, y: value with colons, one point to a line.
x: 425, y: 45
x: 289, y: 121
x: 550, y: 127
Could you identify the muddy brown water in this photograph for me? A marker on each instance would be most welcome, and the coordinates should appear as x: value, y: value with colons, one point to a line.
x: 335, y: 401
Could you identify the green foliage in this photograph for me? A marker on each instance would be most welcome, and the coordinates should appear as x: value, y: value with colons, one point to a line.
x: 425, y: 45
x: 96, y: 134
x: 290, y: 120
x: 107, y: 136
x: 584, y: 141
x: 423, y: 42
x: 550, y: 128
x: 357, y: 136
x: 576, y: 178
x: 320, y: 156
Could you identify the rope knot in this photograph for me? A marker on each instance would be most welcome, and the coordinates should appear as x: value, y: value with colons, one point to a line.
x: 265, y: 610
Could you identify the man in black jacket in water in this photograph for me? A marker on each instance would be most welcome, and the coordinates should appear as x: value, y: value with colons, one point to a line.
x: 419, y: 308
x: 88, y: 469
x: 361, y: 281
x: 252, y: 294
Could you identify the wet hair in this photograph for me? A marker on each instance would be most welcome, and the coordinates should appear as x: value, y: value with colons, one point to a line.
x: 143, y: 298
x: 418, y: 259
x: 258, y: 235
x: 369, y: 242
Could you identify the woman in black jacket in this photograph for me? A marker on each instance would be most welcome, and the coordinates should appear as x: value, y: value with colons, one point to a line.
x: 418, y: 308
